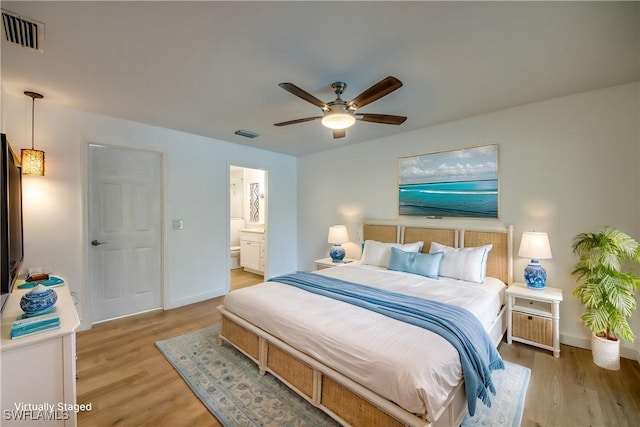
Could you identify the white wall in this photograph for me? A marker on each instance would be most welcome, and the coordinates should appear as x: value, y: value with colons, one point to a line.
x: 196, y: 187
x: 236, y: 207
x: 567, y: 165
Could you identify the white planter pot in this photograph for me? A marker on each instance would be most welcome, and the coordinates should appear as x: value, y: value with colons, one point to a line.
x: 606, y: 353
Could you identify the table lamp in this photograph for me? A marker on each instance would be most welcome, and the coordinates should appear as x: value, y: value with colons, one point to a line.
x: 535, y: 245
x: 337, y: 236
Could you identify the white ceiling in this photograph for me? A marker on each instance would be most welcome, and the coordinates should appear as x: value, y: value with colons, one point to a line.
x: 210, y: 68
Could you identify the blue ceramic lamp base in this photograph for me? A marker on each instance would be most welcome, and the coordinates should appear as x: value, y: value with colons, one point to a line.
x: 535, y: 276
x: 337, y: 253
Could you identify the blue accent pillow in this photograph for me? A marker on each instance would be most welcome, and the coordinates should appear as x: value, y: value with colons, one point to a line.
x: 427, y: 265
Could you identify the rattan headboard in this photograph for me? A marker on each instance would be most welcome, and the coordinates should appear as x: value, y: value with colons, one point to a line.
x: 445, y: 236
x: 499, y: 262
x: 381, y: 233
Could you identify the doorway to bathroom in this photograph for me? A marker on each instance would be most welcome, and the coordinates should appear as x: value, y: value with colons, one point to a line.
x: 247, y: 226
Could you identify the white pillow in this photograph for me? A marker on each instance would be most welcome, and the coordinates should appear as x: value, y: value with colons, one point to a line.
x: 378, y: 253
x: 469, y: 264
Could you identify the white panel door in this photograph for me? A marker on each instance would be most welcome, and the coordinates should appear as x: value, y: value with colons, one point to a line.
x: 125, y: 231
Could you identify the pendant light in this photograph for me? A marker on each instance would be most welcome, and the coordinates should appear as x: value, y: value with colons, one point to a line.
x: 32, y: 159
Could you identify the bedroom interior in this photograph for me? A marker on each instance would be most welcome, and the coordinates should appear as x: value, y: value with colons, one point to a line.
x: 473, y: 75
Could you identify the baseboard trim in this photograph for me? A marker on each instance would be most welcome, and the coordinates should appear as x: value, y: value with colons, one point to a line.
x: 127, y: 315
x: 194, y: 299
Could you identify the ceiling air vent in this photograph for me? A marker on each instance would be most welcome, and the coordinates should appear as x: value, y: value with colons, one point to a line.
x: 23, y: 31
x: 246, y: 133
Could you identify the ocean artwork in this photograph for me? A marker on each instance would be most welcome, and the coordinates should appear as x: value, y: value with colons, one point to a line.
x: 457, y: 183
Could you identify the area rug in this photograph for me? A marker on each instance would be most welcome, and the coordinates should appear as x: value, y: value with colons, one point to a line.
x: 229, y: 385
x: 508, y: 403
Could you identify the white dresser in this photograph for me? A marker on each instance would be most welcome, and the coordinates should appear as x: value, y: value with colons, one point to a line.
x: 39, y: 370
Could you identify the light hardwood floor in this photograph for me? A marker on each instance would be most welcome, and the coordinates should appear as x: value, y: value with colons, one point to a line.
x: 129, y: 382
x: 241, y: 279
x: 126, y: 378
x: 572, y: 391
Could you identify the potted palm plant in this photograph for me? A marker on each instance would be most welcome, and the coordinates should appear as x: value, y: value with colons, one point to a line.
x: 607, y: 292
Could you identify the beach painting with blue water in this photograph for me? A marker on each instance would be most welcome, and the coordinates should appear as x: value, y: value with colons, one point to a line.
x: 457, y: 183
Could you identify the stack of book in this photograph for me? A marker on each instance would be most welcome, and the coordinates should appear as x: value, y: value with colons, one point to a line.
x: 31, y: 325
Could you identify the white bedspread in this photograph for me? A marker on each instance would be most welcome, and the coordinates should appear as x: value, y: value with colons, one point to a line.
x: 408, y: 365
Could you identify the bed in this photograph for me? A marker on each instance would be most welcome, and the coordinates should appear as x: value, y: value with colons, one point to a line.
x: 362, y: 367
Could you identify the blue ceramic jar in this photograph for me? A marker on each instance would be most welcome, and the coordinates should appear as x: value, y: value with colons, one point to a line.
x: 39, y: 299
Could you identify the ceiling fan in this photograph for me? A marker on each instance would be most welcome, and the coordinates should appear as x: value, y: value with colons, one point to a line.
x: 338, y: 115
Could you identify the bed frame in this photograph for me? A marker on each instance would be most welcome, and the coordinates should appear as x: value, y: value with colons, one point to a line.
x: 335, y: 393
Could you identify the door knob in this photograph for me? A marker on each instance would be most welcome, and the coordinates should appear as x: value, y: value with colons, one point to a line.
x: 97, y: 243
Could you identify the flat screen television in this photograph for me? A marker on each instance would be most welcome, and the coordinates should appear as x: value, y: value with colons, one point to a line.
x: 11, y: 237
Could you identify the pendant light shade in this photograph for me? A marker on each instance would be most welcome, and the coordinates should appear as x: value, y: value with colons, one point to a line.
x: 32, y: 162
x: 32, y: 159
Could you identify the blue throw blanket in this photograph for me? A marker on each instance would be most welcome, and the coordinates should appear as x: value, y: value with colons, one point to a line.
x: 455, y: 324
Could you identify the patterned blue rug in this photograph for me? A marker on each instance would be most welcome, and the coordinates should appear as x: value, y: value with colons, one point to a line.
x: 508, y: 403
x: 229, y: 385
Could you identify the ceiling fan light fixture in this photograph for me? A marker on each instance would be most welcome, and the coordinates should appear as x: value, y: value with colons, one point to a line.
x: 339, y: 114
x: 338, y: 120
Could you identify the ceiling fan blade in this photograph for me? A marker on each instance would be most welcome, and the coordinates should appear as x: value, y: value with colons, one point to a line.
x: 375, y: 92
x: 291, y: 88
x: 339, y: 133
x: 293, y: 122
x: 386, y: 119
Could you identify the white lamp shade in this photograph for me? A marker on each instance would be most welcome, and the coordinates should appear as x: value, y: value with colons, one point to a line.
x: 338, y: 235
x: 535, y: 245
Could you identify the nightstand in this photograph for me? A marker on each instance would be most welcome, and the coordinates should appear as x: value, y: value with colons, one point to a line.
x: 328, y: 263
x: 533, y: 316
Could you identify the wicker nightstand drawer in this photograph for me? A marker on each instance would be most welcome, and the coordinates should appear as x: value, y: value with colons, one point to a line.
x: 533, y: 316
x: 533, y: 328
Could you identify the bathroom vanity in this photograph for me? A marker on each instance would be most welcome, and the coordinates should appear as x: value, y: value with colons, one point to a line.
x: 252, y: 250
